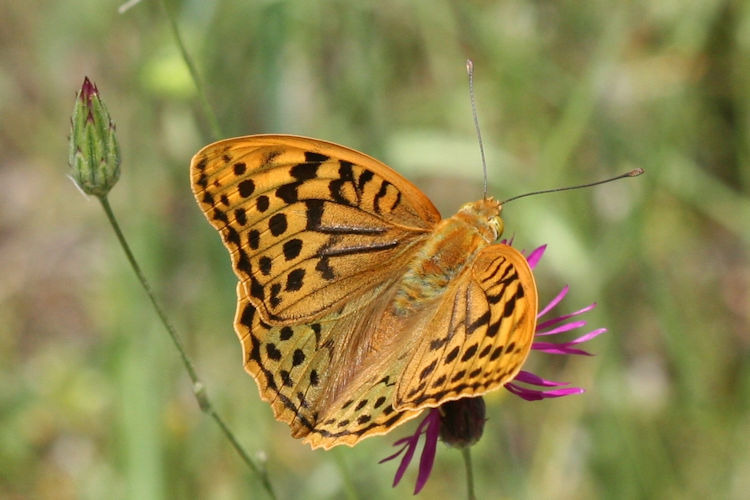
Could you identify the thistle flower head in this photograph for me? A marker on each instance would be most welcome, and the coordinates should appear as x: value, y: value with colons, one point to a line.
x: 94, y: 154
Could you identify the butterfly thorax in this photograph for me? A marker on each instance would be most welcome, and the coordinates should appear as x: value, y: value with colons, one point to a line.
x: 448, y: 252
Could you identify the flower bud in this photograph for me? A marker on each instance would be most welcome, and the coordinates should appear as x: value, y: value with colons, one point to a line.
x: 462, y: 421
x: 94, y: 151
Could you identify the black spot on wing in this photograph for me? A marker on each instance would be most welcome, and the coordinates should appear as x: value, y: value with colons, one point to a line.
x: 288, y: 192
x: 313, y: 157
x: 220, y: 215
x: 202, y: 179
x: 396, y: 201
x: 306, y: 171
x: 428, y: 369
x: 298, y: 357
x: 452, y: 355
x: 365, y: 177
x: 256, y: 289
x: 493, y: 328
x: 363, y: 419
x: 380, y: 194
x: 240, y: 216
x: 324, y: 268
x: 277, y: 224
x: 480, y: 321
x: 360, y: 405
x: 469, y: 352
x: 292, y: 248
x: 496, y: 353
x: 262, y: 203
x: 275, y: 291
x: 510, y: 306
x: 246, y: 188
x: 265, y: 265
x: 346, y: 175
x: 314, y: 213
x: 243, y: 262
x: 286, y: 333
x: 439, y: 381
x: 294, y: 280
x: 438, y: 343
x: 231, y: 235
x: 272, y: 352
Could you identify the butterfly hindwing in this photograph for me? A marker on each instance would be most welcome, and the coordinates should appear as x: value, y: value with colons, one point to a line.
x: 294, y: 368
x: 311, y: 226
x: 479, y: 336
x: 290, y: 364
x: 366, y: 411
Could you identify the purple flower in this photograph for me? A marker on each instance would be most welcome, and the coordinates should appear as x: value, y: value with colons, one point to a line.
x: 465, y: 417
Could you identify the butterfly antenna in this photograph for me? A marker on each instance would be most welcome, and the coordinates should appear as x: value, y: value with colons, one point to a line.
x: 470, y: 71
x: 633, y: 173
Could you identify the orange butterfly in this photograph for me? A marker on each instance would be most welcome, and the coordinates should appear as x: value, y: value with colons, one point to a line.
x: 358, y: 306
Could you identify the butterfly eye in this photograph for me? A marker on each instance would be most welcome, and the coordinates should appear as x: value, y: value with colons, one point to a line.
x: 497, y: 224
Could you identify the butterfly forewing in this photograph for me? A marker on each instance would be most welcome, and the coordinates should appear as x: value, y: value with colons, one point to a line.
x: 480, y: 335
x: 310, y: 226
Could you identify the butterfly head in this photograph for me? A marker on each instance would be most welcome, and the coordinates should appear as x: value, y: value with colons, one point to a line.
x: 484, y: 215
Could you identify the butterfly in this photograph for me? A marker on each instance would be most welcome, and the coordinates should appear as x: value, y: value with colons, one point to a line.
x: 357, y: 305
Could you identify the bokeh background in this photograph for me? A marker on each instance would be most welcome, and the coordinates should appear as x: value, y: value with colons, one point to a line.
x: 94, y: 402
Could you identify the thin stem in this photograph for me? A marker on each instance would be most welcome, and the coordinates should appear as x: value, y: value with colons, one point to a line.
x: 349, y: 489
x: 207, y: 110
x: 466, y: 453
x: 198, y: 387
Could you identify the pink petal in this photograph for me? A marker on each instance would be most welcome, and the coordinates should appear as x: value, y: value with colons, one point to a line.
x: 560, y: 329
x: 554, y: 301
x: 399, y: 452
x: 412, y: 447
x: 536, y: 395
x: 531, y: 378
x: 565, y: 347
x: 535, y: 256
x: 428, y: 452
x: 559, y: 319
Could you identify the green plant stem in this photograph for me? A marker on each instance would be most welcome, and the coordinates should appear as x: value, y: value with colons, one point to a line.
x: 349, y: 489
x: 198, y: 387
x: 207, y: 110
x: 466, y: 453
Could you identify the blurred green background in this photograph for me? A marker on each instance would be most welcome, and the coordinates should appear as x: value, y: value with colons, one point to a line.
x: 93, y: 400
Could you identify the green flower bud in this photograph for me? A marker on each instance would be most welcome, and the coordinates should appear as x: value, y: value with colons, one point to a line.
x: 94, y: 151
